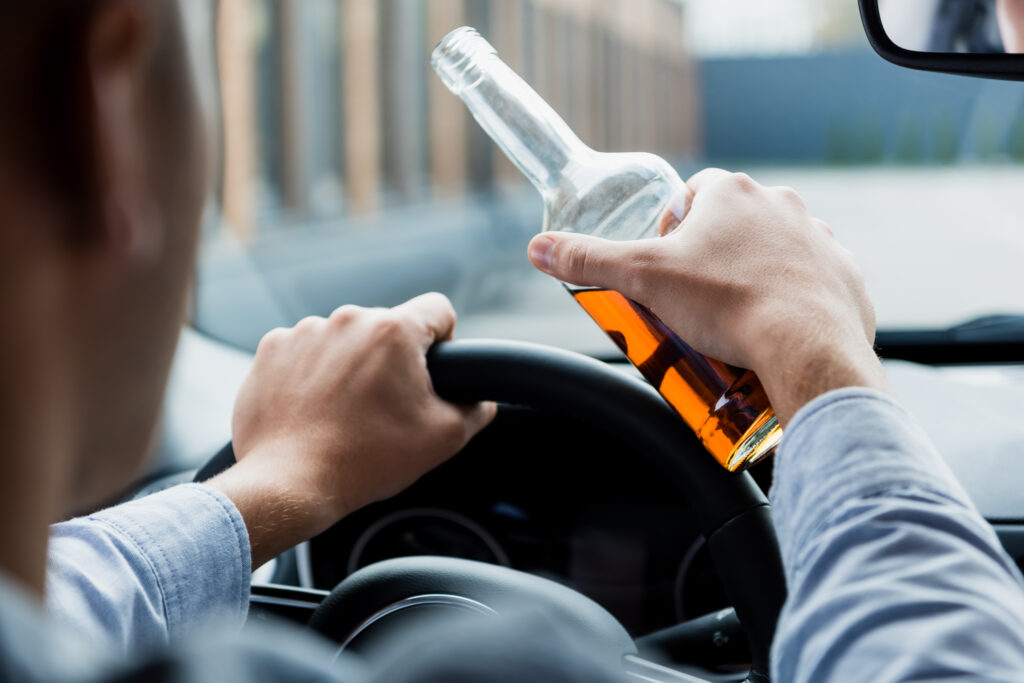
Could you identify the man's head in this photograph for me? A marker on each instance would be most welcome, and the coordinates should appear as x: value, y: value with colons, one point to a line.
x: 103, y: 173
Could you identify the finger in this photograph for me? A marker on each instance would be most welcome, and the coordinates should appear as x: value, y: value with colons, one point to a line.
x: 676, y: 211
x: 593, y: 262
x: 461, y: 422
x: 478, y: 415
x: 434, y: 312
x: 703, y: 179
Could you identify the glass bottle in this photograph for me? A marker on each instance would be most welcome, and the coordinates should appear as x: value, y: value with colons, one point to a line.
x: 619, y: 197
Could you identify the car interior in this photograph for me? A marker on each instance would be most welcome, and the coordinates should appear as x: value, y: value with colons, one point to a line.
x: 348, y: 175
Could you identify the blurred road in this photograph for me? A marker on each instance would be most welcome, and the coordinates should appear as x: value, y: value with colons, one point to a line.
x: 937, y: 245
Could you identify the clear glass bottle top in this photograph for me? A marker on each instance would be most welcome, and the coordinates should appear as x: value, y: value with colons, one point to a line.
x: 583, y: 190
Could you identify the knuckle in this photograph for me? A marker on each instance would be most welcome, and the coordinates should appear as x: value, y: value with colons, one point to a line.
x: 742, y: 182
x: 273, y: 340
x: 388, y: 328
x: 345, y: 315
x: 788, y: 194
x: 307, y: 324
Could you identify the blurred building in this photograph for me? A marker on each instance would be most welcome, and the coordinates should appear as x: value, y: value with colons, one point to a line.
x: 330, y: 107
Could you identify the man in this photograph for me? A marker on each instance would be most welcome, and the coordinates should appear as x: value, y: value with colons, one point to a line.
x: 893, y: 574
x: 103, y: 174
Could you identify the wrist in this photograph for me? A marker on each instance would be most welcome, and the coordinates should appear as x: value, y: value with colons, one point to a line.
x: 279, y: 510
x: 803, y: 372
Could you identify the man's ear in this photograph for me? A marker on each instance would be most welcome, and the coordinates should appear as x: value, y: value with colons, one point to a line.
x: 118, y: 47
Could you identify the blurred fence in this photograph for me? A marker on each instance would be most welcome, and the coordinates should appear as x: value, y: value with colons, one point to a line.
x: 330, y: 107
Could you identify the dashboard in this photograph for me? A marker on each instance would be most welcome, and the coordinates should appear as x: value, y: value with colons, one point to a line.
x: 550, y: 497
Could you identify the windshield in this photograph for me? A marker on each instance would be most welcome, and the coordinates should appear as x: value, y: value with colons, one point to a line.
x: 350, y: 175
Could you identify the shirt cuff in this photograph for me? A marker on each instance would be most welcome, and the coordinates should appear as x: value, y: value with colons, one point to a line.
x: 847, y: 444
x: 196, y: 545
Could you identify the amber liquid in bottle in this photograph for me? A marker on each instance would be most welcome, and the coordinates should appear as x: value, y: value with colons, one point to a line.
x: 725, y: 406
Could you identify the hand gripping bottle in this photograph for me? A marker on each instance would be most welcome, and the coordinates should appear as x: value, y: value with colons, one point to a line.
x: 619, y: 197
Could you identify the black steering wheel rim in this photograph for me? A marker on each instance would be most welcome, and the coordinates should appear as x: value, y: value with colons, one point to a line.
x: 731, y: 511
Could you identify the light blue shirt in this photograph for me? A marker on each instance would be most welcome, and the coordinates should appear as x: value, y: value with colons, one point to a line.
x: 144, y: 574
x: 893, y: 574
x: 154, y: 590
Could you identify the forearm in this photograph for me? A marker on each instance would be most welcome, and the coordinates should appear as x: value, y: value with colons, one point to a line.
x: 892, y: 572
x: 144, y: 573
x: 278, y: 512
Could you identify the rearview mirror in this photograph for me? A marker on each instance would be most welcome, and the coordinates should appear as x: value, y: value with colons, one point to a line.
x: 970, y: 37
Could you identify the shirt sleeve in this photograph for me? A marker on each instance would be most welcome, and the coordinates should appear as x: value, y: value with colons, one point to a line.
x: 893, y: 574
x: 143, y: 574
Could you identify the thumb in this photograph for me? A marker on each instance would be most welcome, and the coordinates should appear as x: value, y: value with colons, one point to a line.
x: 590, y: 261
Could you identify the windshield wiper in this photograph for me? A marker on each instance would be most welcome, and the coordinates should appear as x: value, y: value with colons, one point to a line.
x: 991, y: 328
x: 986, y: 339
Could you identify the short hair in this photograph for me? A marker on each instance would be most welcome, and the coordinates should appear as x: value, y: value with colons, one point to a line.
x: 44, y: 133
x: 41, y: 80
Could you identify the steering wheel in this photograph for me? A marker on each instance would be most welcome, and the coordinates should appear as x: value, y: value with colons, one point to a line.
x: 732, y: 512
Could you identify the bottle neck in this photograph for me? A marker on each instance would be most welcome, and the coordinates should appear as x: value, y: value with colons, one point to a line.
x: 519, y: 121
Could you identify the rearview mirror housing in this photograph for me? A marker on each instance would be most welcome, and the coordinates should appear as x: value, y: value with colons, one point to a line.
x: 962, y: 55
